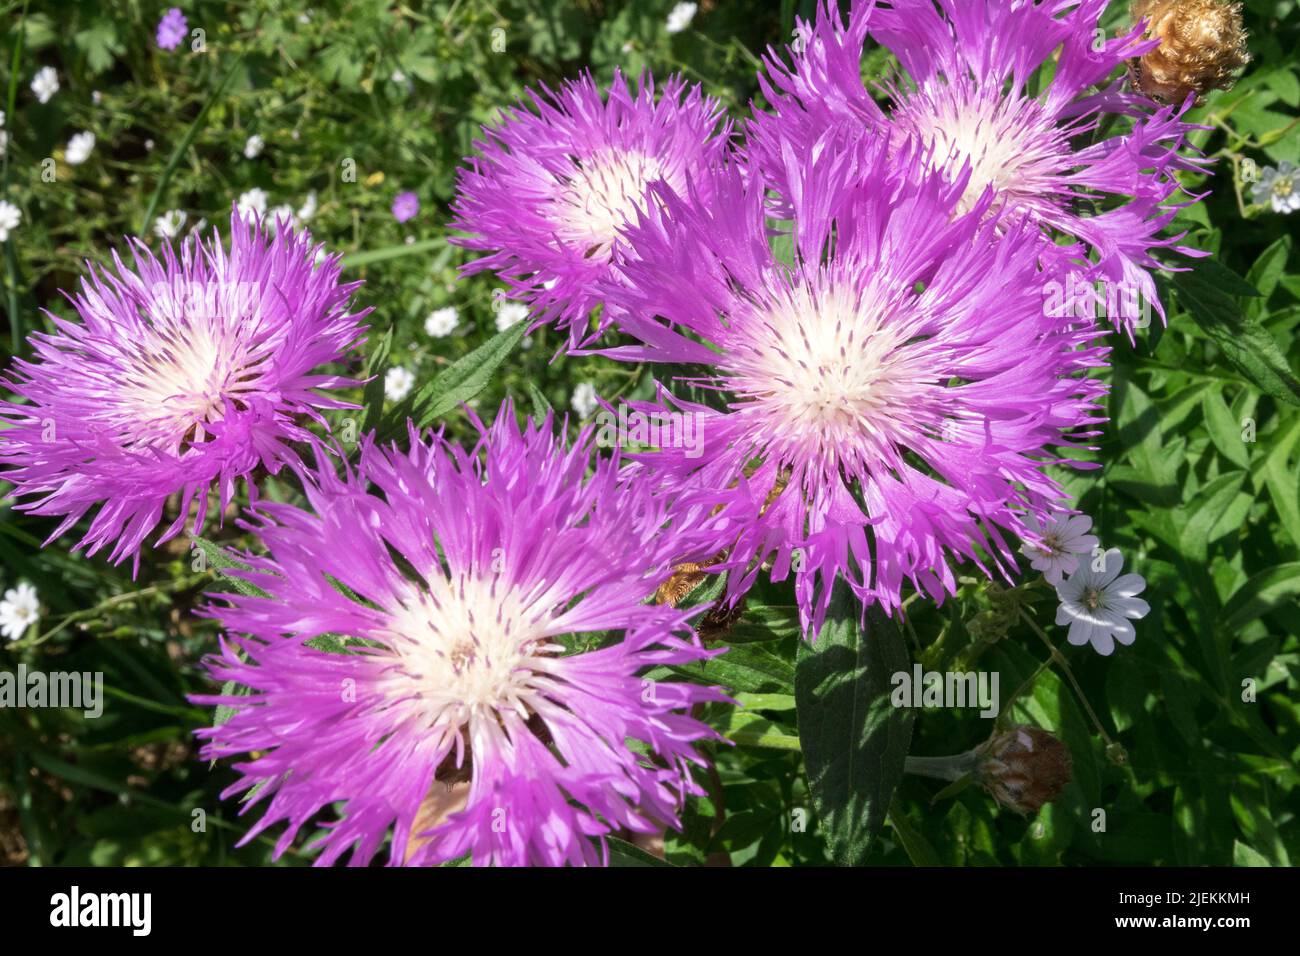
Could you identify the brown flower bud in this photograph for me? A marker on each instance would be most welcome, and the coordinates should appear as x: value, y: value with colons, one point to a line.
x: 1202, y: 46
x: 1024, y: 768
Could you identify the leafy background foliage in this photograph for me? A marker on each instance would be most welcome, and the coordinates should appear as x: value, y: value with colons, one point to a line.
x: 1186, y: 771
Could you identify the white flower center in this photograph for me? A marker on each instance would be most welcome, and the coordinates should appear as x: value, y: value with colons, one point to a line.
x: 181, y: 373
x: 600, y: 196
x: 1007, y: 141
x: 830, y: 374
x: 468, y: 646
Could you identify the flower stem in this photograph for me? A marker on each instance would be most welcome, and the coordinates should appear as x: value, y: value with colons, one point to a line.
x: 1064, y: 664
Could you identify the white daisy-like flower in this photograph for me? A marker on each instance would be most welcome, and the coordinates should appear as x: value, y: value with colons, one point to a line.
x: 20, y: 609
x: 308, y: 207
x: 45, y: 83
x: 1280, y: 187
x: 584, y: 401
x: 401, y: 79
x: 1063, y: 540
x: 252, y: 203
x: 441, y: 322
x: 253, y: 146
x: 680, y: 17
x: 79, y: 148
x: 4, y: 141
x: 170, y: 223
x: 398, y: 383
x: 1100, y: 606
x: 96, y: 97
x: 10, y: 217
x: 509, y: 313
x: 2, y: 117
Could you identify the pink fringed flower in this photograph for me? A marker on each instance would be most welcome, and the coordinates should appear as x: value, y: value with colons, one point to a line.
x: 890, y: 396
x: 185, y: 374
x: 554, y: 185
x: 972, y: 99
x: 495, y: 608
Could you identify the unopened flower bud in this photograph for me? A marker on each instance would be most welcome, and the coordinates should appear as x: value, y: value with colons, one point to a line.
x: 1202, y: 46
x: 1024, y: 768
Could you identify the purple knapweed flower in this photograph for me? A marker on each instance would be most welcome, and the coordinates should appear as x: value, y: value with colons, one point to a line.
x: 552, y: 187
x: 971, y: 97
x: 172, y: 29
x: 494, y: 608
x: 406, y: 206
x: 890, y: 393
x: 185, y: 374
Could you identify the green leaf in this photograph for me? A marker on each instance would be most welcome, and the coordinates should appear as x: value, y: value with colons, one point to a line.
x: 1243, y: 855
x: 1206, y: 292
x: 373, y: 399
x: 222, y: 561
x: 1265, y: 592
x: 456, y: 384
x: 541, y: 404
x: 354, y: 260
x: 1269, y: 268
x: 755, y: 730
x: 1224, y: 429
x: 918, y: 849
x: 854, y: 740
x: 622, y: 853
x: 747, y: 668
x: 765, y: 623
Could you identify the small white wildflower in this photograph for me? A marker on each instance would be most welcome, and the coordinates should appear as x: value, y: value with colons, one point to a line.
x: 509, y: 313
x: 252, y: 203
x: 441, y: 322
x: 20, y: 609
x: 584, y: 400
x: 1099, y: 606
x: 10, y: 217
x: 4, y: 141
x: 79, y: 148
x: 170, y: 223
x: 398, y: 383
x: 308, y: 207
x: 96, y: 97
x: 680, y: 17
x: 253, y: 146
x: 1278, y: 187
x: 45, y: 83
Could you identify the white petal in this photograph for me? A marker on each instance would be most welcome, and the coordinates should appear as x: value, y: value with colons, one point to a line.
x: 1127, y: 585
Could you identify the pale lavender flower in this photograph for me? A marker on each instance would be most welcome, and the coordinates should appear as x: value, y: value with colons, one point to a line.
x: 1100, y: 606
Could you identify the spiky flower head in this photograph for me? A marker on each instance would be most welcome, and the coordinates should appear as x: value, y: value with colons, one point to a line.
x: 1024, y: 768
x: 493, y: 608
x: 1202, y: 47
x: 185, y: 374
x: 552, y: 186
x: 899, y: 396
x: 966, y: 97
